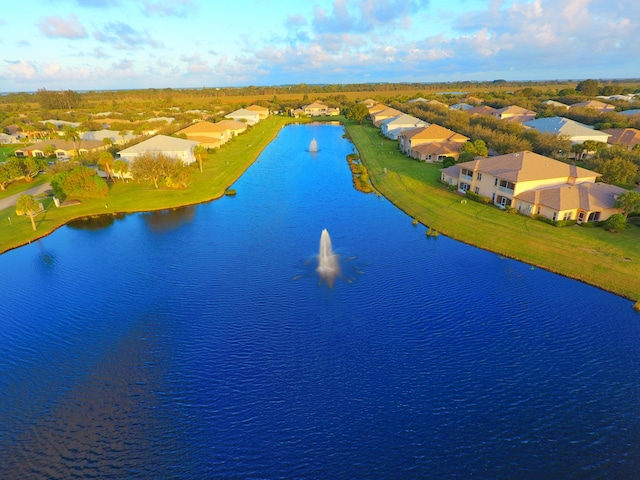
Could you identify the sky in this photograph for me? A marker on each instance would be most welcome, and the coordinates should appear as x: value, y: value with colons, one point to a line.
x: 131, y: 44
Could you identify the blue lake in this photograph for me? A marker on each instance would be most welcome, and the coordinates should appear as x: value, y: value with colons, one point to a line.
x: 201, y: 343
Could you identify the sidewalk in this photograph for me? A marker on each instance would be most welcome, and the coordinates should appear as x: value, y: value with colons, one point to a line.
x: 35, y: 191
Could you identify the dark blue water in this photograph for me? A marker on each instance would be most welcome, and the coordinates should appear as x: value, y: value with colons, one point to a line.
x: 201, y: 343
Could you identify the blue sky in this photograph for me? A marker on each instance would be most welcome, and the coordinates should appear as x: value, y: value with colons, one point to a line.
x: 111, y: 44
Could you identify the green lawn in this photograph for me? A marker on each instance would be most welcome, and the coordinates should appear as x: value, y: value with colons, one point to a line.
x: 607, y: 260
x: 223, y: 167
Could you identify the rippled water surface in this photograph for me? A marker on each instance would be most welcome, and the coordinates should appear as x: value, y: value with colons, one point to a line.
x: 201, y: 343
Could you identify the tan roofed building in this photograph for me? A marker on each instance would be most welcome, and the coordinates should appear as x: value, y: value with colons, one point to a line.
x: 627, y: 137
x: 536, y: 185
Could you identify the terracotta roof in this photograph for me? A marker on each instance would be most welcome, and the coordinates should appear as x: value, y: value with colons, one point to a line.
x: 585, y: 196
x: 629, y: 137
x: 481, y: 110
x: 595, y: 104
x: 378, y: 107
x: 434, y: 132
x: 437, y: 147
x: 232, y: 125
x: 201, y: 127
x: 526, y: 166
x: 513, y: 110
x: 257, y: 108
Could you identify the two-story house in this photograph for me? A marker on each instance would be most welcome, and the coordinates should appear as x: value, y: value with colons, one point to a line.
x: 536, y: 185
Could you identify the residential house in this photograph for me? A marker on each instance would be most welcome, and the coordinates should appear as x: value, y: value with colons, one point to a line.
x: 481, y: 110
x: 244, y: 115
x: 441, y: 142
x: 514, y: 113
x: 394, y: 126
x: 369, y: 102
x: 60, y: 124
x: 63, y: 149
x: 461, y: 106
x: 595, y: 105
x: 628, y: 137
x: 177, y: 148
x: 385, y: 114
x: 576, y: 132
x: 262, y: 111
x: 536, y: 185
x: 236, y: 128
x: 418, y: 100
x: 207, y: 134
x: 377, y: 107
x: 316, y: 109
x: 112, y: 135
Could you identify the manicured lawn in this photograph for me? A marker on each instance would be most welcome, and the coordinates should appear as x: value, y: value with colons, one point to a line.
x: 223, y: 167
x: 607, y: 260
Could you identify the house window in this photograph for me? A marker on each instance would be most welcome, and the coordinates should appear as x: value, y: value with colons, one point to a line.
x: 495, y: 182
x: 464, y: 187
x: 594, y: 217
x: 506, y: 186
x: 477, y: 190
x: 479, y: 176
x: 567, y: 216
x: 555, y: 216
x: 504, y: 201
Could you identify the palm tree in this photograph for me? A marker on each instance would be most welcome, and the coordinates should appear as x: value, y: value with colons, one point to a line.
x: 70, y: 133
x: 200, y: 152
x: 105, y: 160
x: 121, y: 167
x: 29, y: 205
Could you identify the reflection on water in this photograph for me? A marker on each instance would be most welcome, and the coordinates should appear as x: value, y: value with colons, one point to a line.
x: 95, y: 223
x: 167, y: 220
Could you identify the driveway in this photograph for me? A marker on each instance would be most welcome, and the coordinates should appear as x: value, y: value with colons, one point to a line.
x: 35, y: 191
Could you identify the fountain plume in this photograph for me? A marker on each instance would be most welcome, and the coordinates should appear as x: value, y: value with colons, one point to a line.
x: 328, y: 266
x: 313, y: 146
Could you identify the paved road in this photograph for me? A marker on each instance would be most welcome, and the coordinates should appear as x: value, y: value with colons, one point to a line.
x: 37, y: 190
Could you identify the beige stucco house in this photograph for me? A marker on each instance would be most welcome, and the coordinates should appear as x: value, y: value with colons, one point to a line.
x: 432, y: 143
x: 536, y: 185
x: 207, y: 134
x: 317, y: 109
x: 514, y: 113
x: 63, y: 149
x: 595, y: 105
x: 262, y: 111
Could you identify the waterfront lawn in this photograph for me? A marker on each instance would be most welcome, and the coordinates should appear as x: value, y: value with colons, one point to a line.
x: 607, y: 260
x: 221, y: 169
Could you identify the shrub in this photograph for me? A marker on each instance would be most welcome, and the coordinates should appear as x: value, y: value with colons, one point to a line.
x: 615, y: 222
x: 565, y: 223
x: 542, y: 218
x: 477, y: 198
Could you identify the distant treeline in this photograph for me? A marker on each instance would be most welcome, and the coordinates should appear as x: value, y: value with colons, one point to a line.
x: 69, y: 99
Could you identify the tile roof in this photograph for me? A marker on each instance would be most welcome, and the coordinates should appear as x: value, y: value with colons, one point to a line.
x: 629, y: 137
x: 564, y: 126
x: 585, y: 196
x: 434, y: 132
x: 527, y: 166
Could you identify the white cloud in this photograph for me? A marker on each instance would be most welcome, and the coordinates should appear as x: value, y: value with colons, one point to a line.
x: 58, y: 27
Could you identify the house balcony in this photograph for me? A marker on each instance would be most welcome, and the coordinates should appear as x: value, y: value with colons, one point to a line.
x: 466, y: 177
x: 506, y: 190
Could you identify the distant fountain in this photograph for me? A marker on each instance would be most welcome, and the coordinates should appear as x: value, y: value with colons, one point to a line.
x: 313, y: 146
x: 328, y: 266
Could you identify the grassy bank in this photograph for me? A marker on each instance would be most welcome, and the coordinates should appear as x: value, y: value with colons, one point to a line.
x: 606, y: 260
x: 223, y: 167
